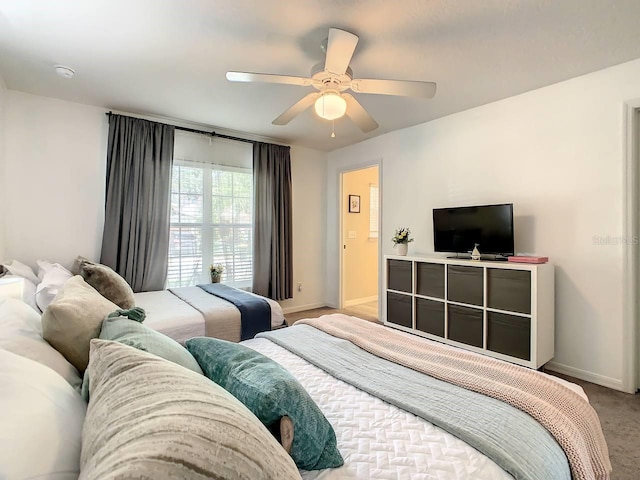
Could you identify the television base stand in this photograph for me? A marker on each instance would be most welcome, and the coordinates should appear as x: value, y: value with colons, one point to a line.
x: 485, y: 258
x: 461, y: 257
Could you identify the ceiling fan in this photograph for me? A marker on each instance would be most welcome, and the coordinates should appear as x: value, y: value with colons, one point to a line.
x: 332, y: 78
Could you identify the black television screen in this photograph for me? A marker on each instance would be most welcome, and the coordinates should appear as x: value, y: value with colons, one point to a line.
x: 459, y: 229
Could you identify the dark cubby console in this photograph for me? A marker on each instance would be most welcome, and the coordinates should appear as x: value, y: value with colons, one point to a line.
x: 505, y: 310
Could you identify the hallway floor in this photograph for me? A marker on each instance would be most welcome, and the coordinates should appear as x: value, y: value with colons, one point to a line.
x: 366, y: 311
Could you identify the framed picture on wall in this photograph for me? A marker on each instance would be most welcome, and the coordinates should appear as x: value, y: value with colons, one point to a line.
x: 354, y: 203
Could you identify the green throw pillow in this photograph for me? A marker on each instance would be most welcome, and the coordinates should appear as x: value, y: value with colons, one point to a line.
x: 270, y: 392
x: 130, y: 332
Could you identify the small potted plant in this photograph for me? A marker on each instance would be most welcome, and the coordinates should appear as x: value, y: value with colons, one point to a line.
x: 216, y: 272
x: 401, y: 240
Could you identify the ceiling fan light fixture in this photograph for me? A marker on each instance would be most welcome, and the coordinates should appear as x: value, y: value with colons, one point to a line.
x: 330, y: 106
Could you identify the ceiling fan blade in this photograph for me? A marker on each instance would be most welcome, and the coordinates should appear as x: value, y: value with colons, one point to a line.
x: 340, y: 48
x: 359, y: 115
x: 405, y: 88
x: 296, y: 109
x: 268, y: 78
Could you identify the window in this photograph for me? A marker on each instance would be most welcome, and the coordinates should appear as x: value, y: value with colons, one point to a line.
x: 373, y: 210
x: 211, y: 223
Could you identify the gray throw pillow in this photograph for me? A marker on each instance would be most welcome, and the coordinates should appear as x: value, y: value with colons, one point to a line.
x: 150, y: 418
x: 77, y: 264
x: 108, y: 283
x: 73, y: 319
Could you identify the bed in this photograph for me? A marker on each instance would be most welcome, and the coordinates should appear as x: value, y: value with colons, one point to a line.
x: 377, y: 436
x: 186, y: 312
x: 379, y: 440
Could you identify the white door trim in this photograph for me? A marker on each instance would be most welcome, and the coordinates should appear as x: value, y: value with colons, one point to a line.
x: 340, y: 216
x: 631, y: 259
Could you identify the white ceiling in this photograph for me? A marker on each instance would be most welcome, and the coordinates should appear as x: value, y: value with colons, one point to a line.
x: 169, y: 57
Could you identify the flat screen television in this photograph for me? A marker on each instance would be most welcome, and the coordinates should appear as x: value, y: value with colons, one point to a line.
x: 457, y: 230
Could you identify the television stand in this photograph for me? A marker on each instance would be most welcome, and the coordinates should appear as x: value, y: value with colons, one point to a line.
x: 504, y: 310
x: 485, y: 258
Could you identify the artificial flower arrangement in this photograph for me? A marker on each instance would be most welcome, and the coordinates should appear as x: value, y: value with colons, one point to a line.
x: 402, y: 236
x: 216, y: 271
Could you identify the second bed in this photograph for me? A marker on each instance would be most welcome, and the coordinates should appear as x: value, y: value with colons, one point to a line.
x: 187, y: 312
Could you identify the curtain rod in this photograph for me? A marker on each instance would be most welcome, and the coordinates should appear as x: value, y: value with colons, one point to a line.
x: 201, y: 132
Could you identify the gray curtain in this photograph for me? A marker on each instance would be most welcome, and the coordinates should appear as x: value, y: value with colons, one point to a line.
x: 273, y: 237
x: 135, y: 242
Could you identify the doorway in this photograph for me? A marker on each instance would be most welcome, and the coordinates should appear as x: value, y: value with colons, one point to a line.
x: 360, y: 242
x: 631, y: 296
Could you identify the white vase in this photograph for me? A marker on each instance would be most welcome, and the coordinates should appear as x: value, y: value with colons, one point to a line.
x: 402, y: 248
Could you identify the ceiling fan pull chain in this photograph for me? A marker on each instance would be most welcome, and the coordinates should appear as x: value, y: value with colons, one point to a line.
x: 333, y: 129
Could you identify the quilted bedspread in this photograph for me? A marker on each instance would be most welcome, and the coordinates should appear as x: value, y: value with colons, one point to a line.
x: 572, y: 421
x: 510, y: 437
x: 377, y: 440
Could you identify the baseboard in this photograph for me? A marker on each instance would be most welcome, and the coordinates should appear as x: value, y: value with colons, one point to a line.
x: 300, y: 308
x: 596, y: 378
x: 360, y: 301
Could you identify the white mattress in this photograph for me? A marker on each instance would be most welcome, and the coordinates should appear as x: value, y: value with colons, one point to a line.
x: 177, y: 319
x: 378, y: 440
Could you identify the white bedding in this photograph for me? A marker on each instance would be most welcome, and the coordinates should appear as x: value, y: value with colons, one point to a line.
x: 172, y: 316
x: 167, y: 314
x: 379, y: 440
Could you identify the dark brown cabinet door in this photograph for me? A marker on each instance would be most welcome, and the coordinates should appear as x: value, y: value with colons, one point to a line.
x: 399, y: 275
x: 465, y: 325
x: 430, y: 281
x: 464, y: 284
x: 400, y: 309
x: 430, y: 316
x: 509, y: 290
x: 509, y: 335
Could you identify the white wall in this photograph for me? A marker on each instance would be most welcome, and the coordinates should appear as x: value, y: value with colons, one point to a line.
x: 308, y: 178
x: 3, y: 97
x: 557, y: 154
x: 55, y: 157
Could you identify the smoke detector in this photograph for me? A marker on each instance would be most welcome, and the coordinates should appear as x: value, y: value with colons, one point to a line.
x: 64, y: 72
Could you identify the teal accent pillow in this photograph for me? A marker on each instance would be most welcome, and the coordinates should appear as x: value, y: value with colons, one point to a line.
x: 133, y: 333
x: 270, y: 392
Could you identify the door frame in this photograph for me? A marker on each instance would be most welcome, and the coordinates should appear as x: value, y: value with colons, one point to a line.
x: 341, y: 212
x: 631, y: 258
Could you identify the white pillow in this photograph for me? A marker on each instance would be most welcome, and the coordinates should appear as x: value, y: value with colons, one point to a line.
x: 45, y: 266
x: 41, y: 418
x: 28, y: 292
x: 21, y: 333
x: 22, y: 270
x: 53, y: 277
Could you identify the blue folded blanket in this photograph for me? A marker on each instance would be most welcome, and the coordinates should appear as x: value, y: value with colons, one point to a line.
x: 255, y: 312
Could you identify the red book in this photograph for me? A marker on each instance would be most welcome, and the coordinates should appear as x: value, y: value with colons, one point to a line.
x: 527, y: 259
